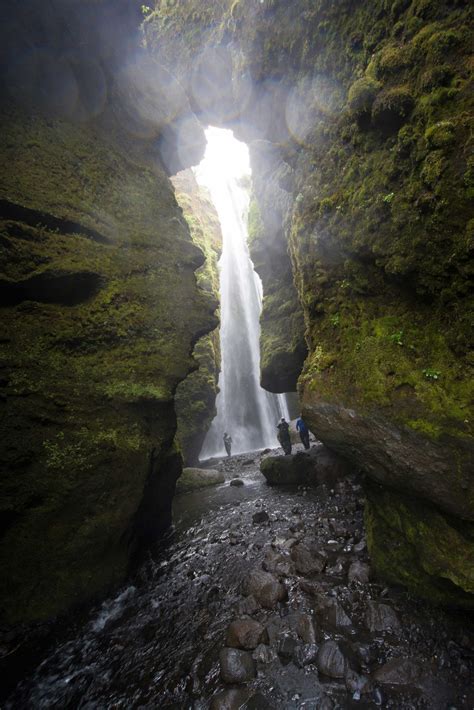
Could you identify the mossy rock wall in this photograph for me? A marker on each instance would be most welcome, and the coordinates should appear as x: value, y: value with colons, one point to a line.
x: 99, y: 303
x: 282, y: 345
x: 196, y: 395
x: 368, y: 109
x: 416, y: 544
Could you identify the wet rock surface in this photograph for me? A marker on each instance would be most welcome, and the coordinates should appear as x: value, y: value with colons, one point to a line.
x: 194, y: 478
x: 246, y: 634
x: 315, y: 636
x: 236, y: 666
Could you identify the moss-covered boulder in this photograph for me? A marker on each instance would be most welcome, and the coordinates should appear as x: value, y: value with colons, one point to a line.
x: 99, y: 304
x: 192, y: 479
x: 196, y: 395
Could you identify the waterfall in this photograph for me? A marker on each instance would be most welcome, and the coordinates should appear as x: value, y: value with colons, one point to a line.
x: 244, y: 410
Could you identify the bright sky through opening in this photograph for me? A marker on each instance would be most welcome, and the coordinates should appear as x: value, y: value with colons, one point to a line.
x: 225, y: 157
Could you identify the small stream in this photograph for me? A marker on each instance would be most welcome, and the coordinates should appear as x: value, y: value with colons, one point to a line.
x: 156, y: 643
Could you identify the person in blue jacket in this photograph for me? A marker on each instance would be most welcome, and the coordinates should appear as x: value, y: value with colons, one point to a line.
x: 303, y: 430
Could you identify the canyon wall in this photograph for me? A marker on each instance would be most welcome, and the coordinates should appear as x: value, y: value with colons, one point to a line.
x: 359, y: 122
x: 196, y: 395
x: 99, y: 304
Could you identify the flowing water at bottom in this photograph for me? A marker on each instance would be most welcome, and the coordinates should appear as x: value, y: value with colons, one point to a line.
x: 156, y: 643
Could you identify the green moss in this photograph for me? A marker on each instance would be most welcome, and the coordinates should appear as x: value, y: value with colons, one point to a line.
x: 195, y: 478
x: 425, y: 427
x: 392, y: 108
x: 439, y: 44
x: 255, y: 224
x: 393, y: 59
x: 87, y: 387
x: 362, y: 95
x: 433, y: 167
x: 436, y: 76
x: 411, y: 542
x: 441, y: 134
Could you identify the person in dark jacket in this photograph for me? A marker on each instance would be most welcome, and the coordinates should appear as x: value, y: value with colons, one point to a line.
x: 284, y: 436
x: 227, y: 442
x: 303, y: 430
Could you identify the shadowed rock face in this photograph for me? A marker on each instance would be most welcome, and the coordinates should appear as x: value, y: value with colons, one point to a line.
x: 283, y: 348
x: 98, y: 301
x: 196, y: 395
x: 358, y: 124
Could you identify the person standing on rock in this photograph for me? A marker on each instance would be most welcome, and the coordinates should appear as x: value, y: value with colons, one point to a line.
x: 284, y: 436
x: 303, y: 430
x: 227, y: 442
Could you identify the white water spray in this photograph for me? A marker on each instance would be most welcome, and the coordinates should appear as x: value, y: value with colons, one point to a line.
x: 244, y: 410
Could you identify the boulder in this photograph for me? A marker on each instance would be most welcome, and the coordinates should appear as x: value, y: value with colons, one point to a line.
x: 236, y: 666
x: 305, y: 561
x: 260, y: 517
x: 317, y: 466
x: 246, y: 634
x: 332, y: 612
x: 194, y: 478
x: 398, y: 671
x: 230, y: 699
x: 278, y: 562
x: 330, y: 660
x: 381, y: 617
x: 236, y: 482
x: 265, y: 588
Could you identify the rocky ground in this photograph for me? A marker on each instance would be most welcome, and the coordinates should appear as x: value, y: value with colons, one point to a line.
x: 315, y: 630
x: 262, y: 597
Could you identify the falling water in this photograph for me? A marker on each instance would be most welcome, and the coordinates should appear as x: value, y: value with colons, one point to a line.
x: 244, y: 410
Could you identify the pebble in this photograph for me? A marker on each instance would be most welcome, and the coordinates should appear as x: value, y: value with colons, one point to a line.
x: 359, y: 572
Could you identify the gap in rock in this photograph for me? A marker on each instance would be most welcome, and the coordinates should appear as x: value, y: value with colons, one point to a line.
x: 244, y: 409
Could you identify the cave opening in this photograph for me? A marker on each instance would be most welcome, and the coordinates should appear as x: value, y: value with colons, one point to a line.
x: 245, y: 411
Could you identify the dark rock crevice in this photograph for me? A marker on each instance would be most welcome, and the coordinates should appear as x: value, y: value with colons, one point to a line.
x: 35, y: 218
x: 62, y: 288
